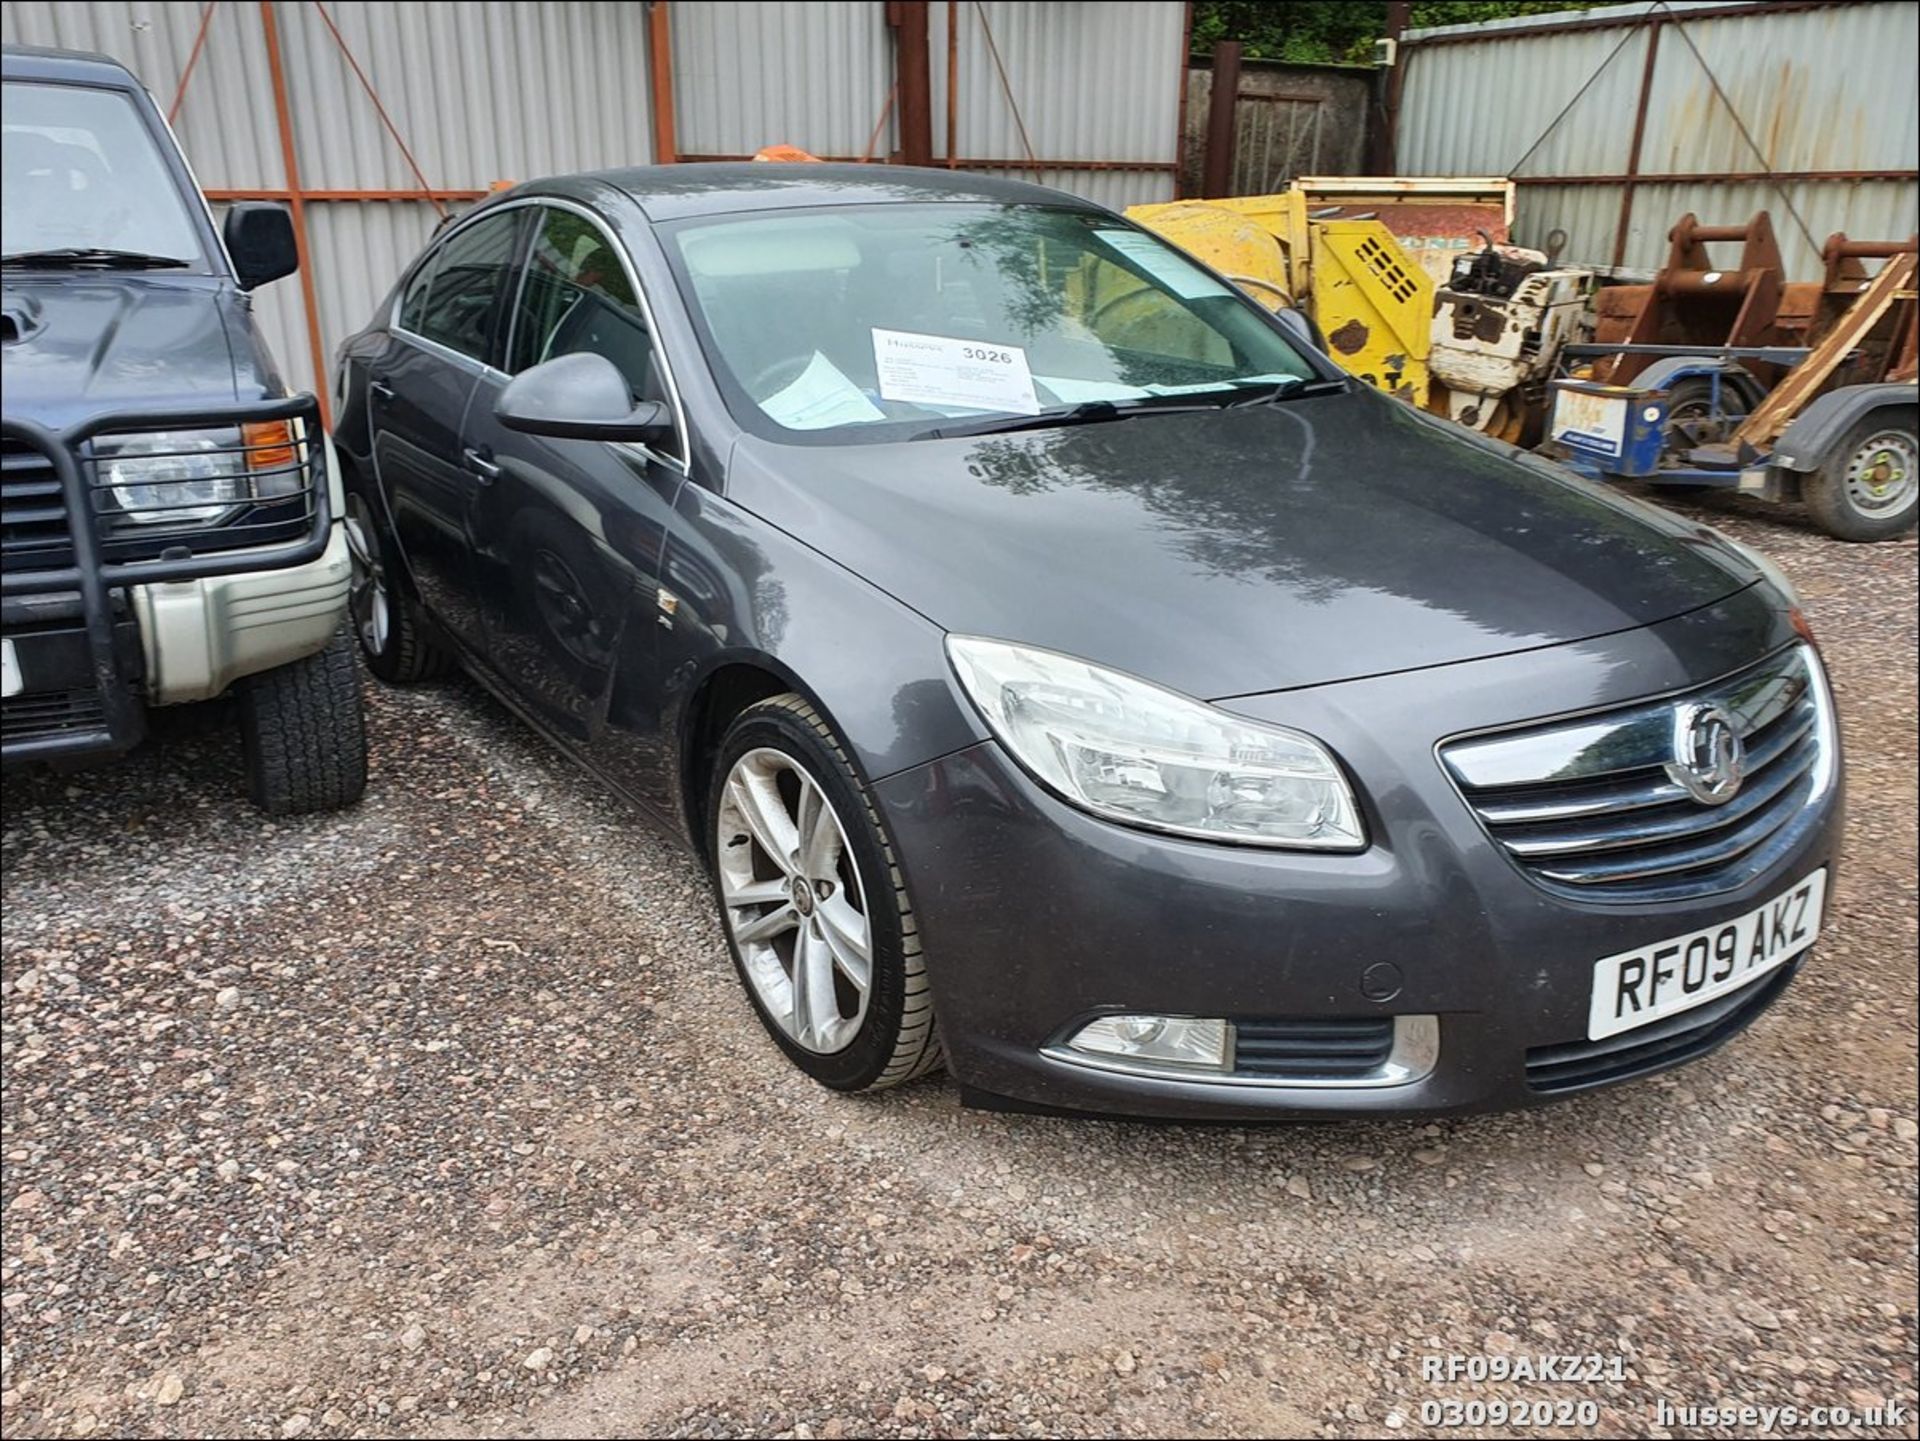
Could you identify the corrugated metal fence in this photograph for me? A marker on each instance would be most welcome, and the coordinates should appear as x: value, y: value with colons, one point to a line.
x: 1083, y: 95
x: 1825, y: 92
x: 509, y: 89
x: 480, y: 92
x: 750, y: 73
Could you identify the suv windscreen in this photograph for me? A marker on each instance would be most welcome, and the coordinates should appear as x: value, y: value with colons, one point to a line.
x: 866, y: 322
x: 80, y: 170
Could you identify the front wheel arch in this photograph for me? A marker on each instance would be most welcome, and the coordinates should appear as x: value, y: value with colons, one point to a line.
x: 715, y: 701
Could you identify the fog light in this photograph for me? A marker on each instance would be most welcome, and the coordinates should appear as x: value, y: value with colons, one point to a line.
x: 1161, y: 1040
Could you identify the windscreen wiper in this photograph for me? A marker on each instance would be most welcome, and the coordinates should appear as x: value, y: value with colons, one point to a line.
x: 1293, y: 388
x: 1088, y: 412
x: 62, y: 257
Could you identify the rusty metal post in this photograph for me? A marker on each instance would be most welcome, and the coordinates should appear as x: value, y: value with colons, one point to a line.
x: 1383, y: 143
x: 914, y: 73
x: 1180, y: 113
x: 1217, y: 177
x: 660, y: 72
x: 953, y: 83
x: 296, y: 201
x: 1654, y: 26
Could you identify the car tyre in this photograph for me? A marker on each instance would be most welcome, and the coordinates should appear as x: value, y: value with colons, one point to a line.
x: 304, y: 733
x: 1869, y: 489
x: 786, y: 808
x: 386, y: 620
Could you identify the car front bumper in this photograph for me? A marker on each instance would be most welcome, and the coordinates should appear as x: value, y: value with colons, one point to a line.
x: 1036, y: 916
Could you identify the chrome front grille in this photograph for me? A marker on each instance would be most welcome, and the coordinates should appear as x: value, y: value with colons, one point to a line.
x: 1590, y: 806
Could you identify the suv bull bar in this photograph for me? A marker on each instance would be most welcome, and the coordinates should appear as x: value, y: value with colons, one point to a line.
x: 296, y: 525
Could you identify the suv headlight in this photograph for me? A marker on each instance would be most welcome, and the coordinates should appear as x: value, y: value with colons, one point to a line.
x: 191, y: 477
x: 1131, y: 751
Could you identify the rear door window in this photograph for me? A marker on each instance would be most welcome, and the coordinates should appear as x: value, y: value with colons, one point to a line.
x: 413, y: 302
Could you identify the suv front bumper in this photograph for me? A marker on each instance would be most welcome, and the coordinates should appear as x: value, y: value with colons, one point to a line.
x: 200, y: 636
x: 94, y: 639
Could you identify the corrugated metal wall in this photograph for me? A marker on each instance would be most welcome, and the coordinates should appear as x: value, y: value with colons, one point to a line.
x: 749, y: 73
x: 1093, y: 80
x: 510, y: 89
x: 507, y: 89
x: 1822, y: 89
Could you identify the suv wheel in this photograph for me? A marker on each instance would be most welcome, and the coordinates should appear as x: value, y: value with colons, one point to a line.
x: 383, y: 614
x: 1869, y: 489
x: 814, y: 906
x: 305, y: 734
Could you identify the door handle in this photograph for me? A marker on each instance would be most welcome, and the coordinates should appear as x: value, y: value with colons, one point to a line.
x: 380, y: 388
x: 480, y: 465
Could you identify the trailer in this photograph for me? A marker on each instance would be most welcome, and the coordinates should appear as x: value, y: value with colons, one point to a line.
x: 1731, y: 378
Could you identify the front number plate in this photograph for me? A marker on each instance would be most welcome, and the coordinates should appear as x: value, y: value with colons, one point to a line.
x: 10, y: 681
x: 1637, y: 988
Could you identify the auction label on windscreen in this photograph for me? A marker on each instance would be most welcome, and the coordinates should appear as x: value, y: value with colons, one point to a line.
x: 939, y: 370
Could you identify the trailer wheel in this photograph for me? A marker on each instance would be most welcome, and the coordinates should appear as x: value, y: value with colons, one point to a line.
x: 1869, y: 488
x: 1690, y: 414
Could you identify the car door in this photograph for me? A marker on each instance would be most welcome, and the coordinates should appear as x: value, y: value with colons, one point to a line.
x: 569, y: 533
x: 444, y: 337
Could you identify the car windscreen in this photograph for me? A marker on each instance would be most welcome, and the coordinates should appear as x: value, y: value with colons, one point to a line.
x: 80, y: 170
x: 874, y: 322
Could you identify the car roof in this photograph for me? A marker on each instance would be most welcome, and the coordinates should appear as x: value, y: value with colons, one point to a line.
x: 675, y: 192
x: 75, y: 67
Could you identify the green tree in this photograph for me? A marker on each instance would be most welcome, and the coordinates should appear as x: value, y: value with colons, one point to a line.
x: 1325, y: 32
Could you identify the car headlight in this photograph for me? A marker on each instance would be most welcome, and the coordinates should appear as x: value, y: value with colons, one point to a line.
x: 1131, y: 751
x: 191, y: 477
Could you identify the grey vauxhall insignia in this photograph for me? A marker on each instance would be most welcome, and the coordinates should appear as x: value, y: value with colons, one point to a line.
x: 1065, y: 672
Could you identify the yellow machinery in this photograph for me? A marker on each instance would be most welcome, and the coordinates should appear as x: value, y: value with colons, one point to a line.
x: 1374, y: 306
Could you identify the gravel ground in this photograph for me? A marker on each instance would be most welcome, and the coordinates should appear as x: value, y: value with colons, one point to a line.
x: 446, y: 1116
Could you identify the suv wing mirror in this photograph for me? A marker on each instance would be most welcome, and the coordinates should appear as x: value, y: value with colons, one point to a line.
x: 579, y: 397
x: 259, y: 237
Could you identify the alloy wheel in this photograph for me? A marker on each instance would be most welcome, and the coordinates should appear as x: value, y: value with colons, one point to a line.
x: 368, y: 600
x: 793, y: 901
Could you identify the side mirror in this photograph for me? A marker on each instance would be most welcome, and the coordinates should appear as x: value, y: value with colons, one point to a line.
x: 259, y: 237
x: 579, y: 397
x: 1300, y: 327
